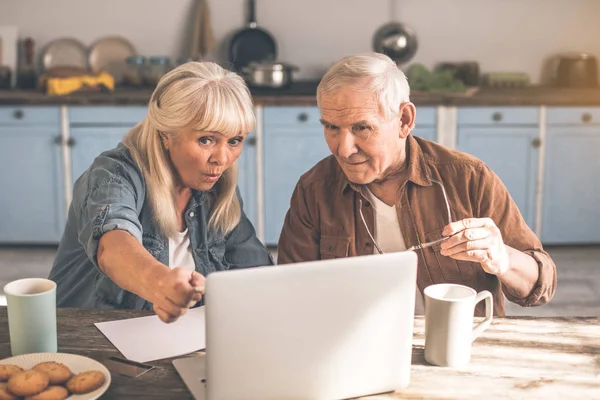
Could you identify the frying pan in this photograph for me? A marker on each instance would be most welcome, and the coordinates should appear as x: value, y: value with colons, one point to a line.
x: 251, y: 43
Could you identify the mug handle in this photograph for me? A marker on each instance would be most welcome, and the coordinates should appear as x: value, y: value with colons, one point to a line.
x: 489, y: 312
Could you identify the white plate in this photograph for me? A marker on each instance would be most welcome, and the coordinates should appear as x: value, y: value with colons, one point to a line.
x: 76, y: 364
x: 110, y: 54
x: 64, y: 52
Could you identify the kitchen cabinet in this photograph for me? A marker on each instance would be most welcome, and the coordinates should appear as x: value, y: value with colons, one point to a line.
x: 88, y: 142
x: 32, y: 192
x: 571, y: 197
x: 247, y: 178
x: 293, y: 143
x: 506, y: 140
x: 96, y: 129
x: 425, y: 124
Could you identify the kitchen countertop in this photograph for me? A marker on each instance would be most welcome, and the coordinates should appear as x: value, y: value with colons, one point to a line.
x: 303, y: 93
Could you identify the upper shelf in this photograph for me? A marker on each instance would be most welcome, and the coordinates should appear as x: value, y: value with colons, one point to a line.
x: 303, y: 93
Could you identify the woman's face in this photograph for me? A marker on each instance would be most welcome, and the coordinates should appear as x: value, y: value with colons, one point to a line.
x: 200, y: 158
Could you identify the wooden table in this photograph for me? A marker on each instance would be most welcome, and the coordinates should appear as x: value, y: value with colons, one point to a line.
x: 515, y: 358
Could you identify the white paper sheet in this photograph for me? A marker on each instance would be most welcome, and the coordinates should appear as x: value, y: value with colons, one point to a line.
x: 148, y: 338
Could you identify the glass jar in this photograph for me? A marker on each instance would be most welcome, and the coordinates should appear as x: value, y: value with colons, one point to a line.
x: 157, y: 68
x: 134, y: 73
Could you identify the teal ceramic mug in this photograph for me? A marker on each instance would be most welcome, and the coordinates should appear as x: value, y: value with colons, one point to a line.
x: 31, y: 307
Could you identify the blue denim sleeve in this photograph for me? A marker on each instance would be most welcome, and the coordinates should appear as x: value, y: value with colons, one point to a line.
x: 243, y: 249
x: 106, y: 199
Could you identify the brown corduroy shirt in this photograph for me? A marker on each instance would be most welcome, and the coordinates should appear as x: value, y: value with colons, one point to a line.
x: 324, y: 222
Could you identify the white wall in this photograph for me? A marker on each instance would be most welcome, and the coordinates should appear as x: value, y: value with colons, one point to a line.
x: 503, y: 35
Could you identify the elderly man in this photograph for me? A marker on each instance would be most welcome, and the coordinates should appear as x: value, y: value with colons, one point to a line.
x: 384, y: 190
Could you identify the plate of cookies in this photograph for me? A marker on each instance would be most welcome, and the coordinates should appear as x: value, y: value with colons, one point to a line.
x: 52, y: 376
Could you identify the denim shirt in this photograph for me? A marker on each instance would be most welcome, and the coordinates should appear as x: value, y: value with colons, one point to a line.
x: 110, y: 195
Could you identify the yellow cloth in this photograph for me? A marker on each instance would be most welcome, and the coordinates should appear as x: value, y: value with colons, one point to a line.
x: 62, y: 86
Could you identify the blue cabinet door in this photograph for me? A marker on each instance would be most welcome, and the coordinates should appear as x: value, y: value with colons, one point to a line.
x: 512, y: 154
x: 571, y: 202
x: 425, y: 124
x: 247, y: 178
x: 293, y: 143
x: 88, y: 142
x: 32, y: 205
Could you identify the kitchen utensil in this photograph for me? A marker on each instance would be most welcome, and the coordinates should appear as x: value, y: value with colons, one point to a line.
x: 577, y: 70
x: 27, y: 78
x: 203, y: 38
x: 251, y: 43
x: 5, y: 77
x: 110, y: 54
x: 5, y: 74
x: 64, y: 52
x: 268, y: 74
x: 9, y: 35
x: 396, y: 40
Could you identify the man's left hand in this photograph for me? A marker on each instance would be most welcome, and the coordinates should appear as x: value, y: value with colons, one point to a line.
x: 477, y: 240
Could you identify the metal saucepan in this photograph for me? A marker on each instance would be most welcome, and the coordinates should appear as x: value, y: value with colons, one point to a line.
x: 268, y: 74
x: 251, y: 44
x: 397, y: 41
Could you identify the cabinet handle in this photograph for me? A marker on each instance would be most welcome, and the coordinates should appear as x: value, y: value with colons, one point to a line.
x: 18, y: 114
x: 71, y: 142
x: 251, y: 141
x: 303, y: 117
x: 497, y: 116
x: 586, y: 117
x: 536, y: 143
x: 58, y: 140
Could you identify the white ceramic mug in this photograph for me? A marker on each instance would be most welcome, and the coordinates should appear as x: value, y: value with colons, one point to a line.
x: 449, y: 332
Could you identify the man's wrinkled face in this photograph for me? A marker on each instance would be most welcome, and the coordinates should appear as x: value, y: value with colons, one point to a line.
x: 367, y: 146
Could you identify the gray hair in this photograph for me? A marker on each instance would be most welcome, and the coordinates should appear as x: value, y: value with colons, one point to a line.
x: 375, y: 73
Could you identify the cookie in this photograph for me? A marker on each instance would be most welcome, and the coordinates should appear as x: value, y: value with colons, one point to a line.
x: 5, y: 394
x: 7, y: 370
x: 28, y: 383
x: 57, y: 372
x: 51, y: 393
x: 85, y: 382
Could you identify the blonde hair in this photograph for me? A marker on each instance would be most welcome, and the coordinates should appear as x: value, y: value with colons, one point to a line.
x: 374, y: 73
x: 204, y: 97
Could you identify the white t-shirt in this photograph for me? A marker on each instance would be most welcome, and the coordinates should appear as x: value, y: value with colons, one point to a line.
x: 180, y: 252
x: 388, y: 236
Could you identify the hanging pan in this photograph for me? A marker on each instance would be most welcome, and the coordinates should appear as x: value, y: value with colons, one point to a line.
x: 251, y: 43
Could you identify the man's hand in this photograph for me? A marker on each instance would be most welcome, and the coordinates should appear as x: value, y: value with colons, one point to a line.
x: 478, y: 240
x: 175, y: 295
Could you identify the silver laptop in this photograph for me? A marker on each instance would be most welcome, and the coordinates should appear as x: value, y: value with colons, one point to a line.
x: 332, y: 329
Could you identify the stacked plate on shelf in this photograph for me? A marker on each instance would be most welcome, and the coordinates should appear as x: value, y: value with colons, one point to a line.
x: 108, y: 54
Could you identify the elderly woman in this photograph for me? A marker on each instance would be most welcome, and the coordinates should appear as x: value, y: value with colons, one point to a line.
x: 152, y: 217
